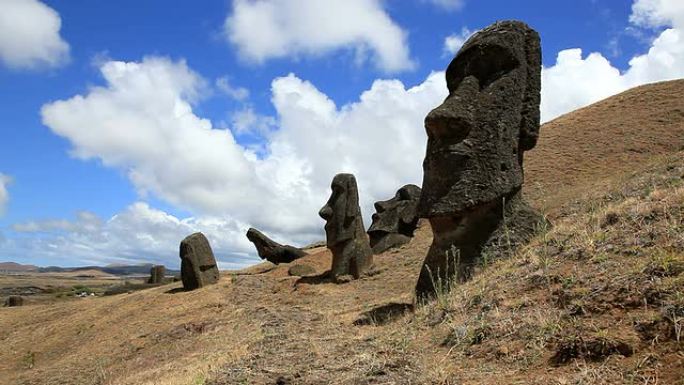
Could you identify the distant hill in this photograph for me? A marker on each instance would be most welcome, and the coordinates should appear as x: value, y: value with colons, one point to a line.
x: 16, y: 267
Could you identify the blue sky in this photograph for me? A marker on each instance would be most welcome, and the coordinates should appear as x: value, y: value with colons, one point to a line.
x: 128, y: 125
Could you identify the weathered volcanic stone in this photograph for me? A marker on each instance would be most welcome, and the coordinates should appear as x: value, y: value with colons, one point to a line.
x: 473, y: 168
x: 157, y: 274
x: 395, y: 219
x: 198, y: 265
x: 14, y: 300
x: 301, y: 270
x: 272, y: 251
x: 344, y: 229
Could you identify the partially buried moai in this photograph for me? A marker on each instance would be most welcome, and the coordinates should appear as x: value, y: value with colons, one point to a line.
x: 344, y: 230
x: 473, y: 168
x: 198, y: 265
x: 157, y: 274
x: 395, y: 219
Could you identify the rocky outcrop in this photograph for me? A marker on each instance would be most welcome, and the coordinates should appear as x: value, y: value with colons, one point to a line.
x: 473, y: 168
x: 395, y: 219
x: 273, y: 251
x: 344, y: 230
x: 198, y: 265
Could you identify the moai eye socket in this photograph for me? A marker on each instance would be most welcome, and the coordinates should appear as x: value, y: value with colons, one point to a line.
x: 488, y: 63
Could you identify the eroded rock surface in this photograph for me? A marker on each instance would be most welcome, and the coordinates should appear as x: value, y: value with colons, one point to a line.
x: 344, y: 230
x: 395, y: 219
x: 198, y: 265
x: 473, y: 168
x: 273, y: 251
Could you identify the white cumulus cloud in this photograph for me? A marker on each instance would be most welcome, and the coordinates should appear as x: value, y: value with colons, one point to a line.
x: 453, y: 42
x: 266, y: 29
x: 29, y: 35
x: 575, y: 81
x: 238, y: 93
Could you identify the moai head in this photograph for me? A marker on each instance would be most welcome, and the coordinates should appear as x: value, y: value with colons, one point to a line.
x: 477, y: 137
x: 341, y: 212
x: 396, y: 215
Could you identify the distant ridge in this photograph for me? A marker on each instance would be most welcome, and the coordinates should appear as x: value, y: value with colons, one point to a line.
x: 16, y: 267
x: 122, y: 270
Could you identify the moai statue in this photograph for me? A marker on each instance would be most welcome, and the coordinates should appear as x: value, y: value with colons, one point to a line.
x: 395, y: 219
x: 273, y: 251
x: 157, y: 274
x: 473, y: 168
x: 14, y: 300
x: 198, y: 265
x: 344, y: 230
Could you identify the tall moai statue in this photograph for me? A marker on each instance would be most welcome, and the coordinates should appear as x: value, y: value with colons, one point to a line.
x: 344, y: 230
x: 473, y: 168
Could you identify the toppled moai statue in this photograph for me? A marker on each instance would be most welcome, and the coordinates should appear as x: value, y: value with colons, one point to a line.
x: 395, y: 219
x: 157, y: 274
x: 273, y: 251
x: 14, y: 300
x: 344, y: 230
x: 198, y: 265
x: 473, y: 168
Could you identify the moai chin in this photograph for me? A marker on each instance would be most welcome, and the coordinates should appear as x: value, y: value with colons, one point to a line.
x: 344, y: 230
x: 395, y: 219
x: 473, y: 168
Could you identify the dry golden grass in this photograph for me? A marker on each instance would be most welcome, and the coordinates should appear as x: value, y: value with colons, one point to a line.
x: 607, y: 273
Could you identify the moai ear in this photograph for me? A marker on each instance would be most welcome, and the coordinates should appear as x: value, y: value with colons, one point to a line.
x: 529, y: 124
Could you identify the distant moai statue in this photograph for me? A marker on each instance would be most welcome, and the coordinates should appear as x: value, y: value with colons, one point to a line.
x: 395, y: 219
x: 344, y: 230
x: 273, y: 251
x: 198, y: 265
x: 473, y: 168
x: 157, y: 274
x: 14, y: 300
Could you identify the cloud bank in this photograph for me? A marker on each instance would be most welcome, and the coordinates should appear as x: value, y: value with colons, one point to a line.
x: 4, y: 194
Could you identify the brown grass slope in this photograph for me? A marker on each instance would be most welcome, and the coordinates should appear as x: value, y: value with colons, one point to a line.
x: 599, y: 299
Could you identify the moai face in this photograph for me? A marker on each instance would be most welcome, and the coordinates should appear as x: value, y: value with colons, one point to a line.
x: 477, y: 137
x: 393, y: 215
x: 341, y: 212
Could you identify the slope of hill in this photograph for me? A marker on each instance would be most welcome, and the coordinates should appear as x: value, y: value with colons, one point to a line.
x: 598, y: 299
x: 588, y: 148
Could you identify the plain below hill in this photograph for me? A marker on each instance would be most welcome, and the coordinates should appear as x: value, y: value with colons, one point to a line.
x: 598, y: 299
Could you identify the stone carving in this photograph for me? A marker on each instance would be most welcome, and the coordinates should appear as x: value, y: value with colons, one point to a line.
x: 198, y: 265
x: 14, y: 300
x: 157, y: 274
x: 344, y: 230
x: 473, y: 168
x: 272, y: 251
x: 395, y: 219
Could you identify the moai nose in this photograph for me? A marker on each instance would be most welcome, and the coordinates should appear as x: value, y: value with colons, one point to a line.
x: 326, y: 212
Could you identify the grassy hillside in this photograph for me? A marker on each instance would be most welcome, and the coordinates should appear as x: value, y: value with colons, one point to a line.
x: 598, y: 299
